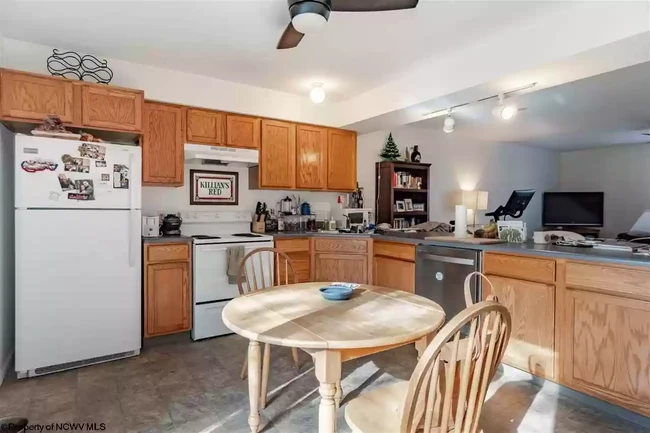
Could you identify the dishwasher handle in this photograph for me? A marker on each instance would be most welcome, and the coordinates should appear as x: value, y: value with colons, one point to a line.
x: 454, y: 260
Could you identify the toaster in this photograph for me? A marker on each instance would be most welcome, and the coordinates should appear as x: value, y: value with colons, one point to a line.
x: 150, y: 226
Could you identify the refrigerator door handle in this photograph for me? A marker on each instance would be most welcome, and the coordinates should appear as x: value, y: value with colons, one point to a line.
x: 131, y: 187
x: 133, y: 238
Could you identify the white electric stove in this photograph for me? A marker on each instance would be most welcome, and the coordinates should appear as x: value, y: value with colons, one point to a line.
x: 212, y: 234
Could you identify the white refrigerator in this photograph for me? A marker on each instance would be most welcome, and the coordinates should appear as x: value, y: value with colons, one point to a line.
x: 78, y: 248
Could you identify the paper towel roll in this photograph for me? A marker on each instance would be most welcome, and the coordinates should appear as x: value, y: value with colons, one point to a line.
x: 461, y: 221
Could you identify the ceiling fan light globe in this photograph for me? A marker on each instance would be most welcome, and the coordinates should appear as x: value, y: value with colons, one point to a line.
x: 317, y: 94
x: 309, y: 22
x: 449, y: 125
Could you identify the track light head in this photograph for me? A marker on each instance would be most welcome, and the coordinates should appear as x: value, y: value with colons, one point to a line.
x: 449, y: 124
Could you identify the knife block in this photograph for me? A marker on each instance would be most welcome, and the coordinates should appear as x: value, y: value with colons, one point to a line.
x: 258, y: 226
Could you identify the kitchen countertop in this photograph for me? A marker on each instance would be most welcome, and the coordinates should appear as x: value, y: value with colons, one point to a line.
x: 167, y: 240
x: 552, y: 251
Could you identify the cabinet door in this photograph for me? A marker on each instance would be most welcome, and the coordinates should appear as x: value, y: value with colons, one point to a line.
x: 204, y: 127
x: 607, y: 349
x: 350, y: 268
x: 27, y: 96
x: 243, y: 131
x: 278, y: 155
x: 341, y: 160
x: 396, y: 274
x: 168, y: 306
x: 103, y: 107
x: 532, y: 306
x: 162, y: 146
x: 311, y: 157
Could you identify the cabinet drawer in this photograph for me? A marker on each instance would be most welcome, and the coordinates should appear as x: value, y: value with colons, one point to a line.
x: 394, y: 250
x: 292, y: 245
x: 525, y: 268
x: 167, y: 253
x: 354, y: 246
x: 624, y: 281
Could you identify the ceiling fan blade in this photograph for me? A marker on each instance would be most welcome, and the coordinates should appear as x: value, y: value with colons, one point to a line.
x: 290, y: 38
x: 372, y: 5
x: 645, y: 133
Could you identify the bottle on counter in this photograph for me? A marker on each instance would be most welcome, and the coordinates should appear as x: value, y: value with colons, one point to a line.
x: 331, y: 226
x: 280, y: 222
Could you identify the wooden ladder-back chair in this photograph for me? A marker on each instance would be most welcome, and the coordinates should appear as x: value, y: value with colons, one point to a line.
x: 435, y: 400
x: 252, y: 278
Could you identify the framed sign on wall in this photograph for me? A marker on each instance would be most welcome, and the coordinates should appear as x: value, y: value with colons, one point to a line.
x: 214, y: 187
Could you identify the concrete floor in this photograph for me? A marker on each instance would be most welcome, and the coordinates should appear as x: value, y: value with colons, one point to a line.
x: 176, y: 385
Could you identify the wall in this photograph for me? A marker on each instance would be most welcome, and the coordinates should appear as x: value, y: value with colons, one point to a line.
x: 621, y: 172
x: 156, y: 200
x: 7, y: 280
x: 494, y: 167
x: 179, y: 87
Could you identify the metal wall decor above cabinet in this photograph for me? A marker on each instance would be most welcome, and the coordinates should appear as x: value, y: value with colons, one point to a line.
x: 341, y: 160
x: 311, y: 157
x: 33, y: 97
x: 277, y: 168
x: 242, y: 131
x: 205, y: 127
x: 104, y: 107
x: 162, y: 145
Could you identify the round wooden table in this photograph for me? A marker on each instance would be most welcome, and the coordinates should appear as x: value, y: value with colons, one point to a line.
x: 296, y: 315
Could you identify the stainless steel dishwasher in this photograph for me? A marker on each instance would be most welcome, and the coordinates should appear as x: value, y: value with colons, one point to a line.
x: 440, y: 273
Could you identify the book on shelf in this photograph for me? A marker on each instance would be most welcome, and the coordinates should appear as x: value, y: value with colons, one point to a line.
x: 404, y: 223
x: 404, y: 179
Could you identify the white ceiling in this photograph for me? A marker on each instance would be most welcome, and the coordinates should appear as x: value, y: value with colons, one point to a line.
x: 235, y: 40
x: 602, y: 110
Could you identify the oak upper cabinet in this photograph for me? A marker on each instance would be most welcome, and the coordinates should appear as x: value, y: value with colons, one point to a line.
x: 34, y: 97
x: 162, y: 146
x: 532, y: 307
x: 394, y: 265
x: 341, y: 160
x: 604, y: 330
x: 277, y: 168
x: 167, y: 289
x: 311, y: 157
x: 111, y: 108
x: 205, y: 127
x: 243, y: 131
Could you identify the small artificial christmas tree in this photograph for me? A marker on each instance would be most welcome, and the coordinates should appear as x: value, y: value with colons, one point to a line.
x: 390, y: 152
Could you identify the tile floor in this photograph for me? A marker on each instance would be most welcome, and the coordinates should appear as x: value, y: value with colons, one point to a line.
x: 180, y: 386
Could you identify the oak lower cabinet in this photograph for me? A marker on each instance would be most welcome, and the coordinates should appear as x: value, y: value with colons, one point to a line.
x: 34, y: 97
x: 605, y: 323
x: 167, y: 289
x: 111, y: 108
x: 298, y: 250
x: 532, y: 307
x: 341, y: 160
x: 394, y: 265
x: 346, y: 260
x: 162, y: 146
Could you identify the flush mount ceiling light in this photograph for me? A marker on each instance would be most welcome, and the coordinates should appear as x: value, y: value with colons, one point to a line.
x: 507, y: 111
x: 317, y: 93
x: 449, y: 124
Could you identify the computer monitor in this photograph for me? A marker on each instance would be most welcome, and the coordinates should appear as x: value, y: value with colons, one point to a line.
x: 515, y: 206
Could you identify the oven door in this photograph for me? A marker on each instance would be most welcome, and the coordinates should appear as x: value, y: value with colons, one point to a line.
x: 210, y: 277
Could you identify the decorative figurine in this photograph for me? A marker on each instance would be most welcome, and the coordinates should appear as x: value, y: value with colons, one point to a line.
x: 415, y: 155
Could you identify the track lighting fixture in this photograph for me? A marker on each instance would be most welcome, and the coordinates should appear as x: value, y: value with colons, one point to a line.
x: 449, y: 124
x: 506, y: 112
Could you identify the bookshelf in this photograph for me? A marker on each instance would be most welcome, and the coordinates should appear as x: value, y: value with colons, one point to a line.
x: 398, y: 181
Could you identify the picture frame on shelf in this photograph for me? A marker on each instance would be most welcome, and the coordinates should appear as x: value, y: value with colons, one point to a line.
x: 408, y: 204
x: 418, y: 207
x: 400, y: 206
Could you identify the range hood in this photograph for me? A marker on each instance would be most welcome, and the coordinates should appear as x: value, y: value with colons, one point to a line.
x: 220, y: 155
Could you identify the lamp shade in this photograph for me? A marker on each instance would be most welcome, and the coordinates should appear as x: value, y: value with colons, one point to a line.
x: 469, y: 199
x: 482, y: 200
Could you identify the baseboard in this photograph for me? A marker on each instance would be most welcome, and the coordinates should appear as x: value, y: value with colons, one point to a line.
x: 4, y: 369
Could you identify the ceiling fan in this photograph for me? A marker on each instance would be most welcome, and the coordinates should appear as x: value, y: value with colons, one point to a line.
x: 311, y: 15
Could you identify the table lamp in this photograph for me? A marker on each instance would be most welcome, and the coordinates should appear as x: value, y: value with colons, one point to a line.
x: 470, y: 200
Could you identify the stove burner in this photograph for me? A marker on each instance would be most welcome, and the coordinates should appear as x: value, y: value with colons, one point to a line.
x: 205, y: 237
x: 246, y: 235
